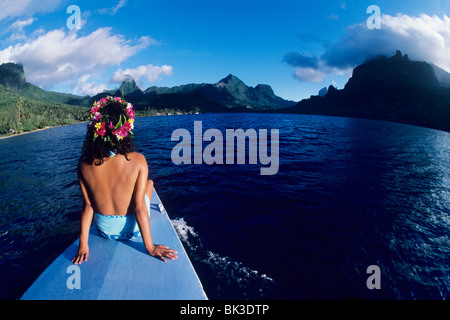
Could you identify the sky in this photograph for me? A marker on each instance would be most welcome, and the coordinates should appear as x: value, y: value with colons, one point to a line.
x: 295, y: 46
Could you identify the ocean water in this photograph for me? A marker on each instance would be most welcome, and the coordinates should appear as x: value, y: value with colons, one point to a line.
x: 349, y: 194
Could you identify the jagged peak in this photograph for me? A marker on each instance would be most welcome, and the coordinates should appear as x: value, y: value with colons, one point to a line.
x: 398, y: 56
x: 128, y: 85
x: 264, y: 88
x: 128, y: 78
x: 230, y: 79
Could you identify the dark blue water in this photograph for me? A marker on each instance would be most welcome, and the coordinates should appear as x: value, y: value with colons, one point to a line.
x: 349, y: 194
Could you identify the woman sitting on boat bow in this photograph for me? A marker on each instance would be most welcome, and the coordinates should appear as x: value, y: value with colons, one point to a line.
x: 114, y: 180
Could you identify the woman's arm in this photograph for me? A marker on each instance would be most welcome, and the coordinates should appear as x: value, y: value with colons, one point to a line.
x: 87, y: 214
x: 142, y: 216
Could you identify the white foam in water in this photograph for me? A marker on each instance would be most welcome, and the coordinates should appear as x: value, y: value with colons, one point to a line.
x: 183, y: 229
x: 241, y: 272
x: 238, y: 279
x: 228, y: 273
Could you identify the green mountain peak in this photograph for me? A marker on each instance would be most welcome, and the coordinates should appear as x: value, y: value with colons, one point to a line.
x: 129, y: 86
x: 12, y: 76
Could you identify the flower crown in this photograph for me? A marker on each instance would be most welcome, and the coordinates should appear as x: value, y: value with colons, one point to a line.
x: 104, y: 127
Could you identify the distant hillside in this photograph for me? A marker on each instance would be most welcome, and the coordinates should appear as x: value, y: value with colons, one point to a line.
x: 392, y: 89
x: 442, y: 75
x: 232, y: 92
x: 19, y: 113
x: 229, y: 94
x: 129, y: 87
x: 12, y: 77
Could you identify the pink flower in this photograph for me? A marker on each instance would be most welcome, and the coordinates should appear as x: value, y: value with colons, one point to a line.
x: 103, y: 101
x: 122, y: 132
x: 118, y: 133
x: 127, y: 126
x: 102, y: 131
x: 95, y: 109
x: 111, y: 126
x: 130, y: 113
x: 97, y: 116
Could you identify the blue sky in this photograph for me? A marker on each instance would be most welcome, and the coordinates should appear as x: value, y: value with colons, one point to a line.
x: 297, y: 47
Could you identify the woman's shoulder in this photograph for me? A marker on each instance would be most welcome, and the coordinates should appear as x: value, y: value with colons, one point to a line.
x: 138, y: 157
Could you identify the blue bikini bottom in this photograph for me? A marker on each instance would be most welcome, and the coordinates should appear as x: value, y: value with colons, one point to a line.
x: 119, y: 227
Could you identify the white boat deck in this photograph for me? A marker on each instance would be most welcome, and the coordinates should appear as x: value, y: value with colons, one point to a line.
x: 122, y: 270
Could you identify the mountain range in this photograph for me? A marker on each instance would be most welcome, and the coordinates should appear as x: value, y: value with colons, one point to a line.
x: 230, y: 93
x: 391, y: 89
x: 384, y: 88
x: 12, y: 77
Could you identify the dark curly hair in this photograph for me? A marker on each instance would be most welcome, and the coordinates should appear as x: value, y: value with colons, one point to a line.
x: 98, y: 150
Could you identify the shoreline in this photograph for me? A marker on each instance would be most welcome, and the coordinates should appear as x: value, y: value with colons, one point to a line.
x: 65, y: 125
x: 37, y: 130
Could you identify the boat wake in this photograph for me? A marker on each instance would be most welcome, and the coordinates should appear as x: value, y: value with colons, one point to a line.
x: 233, y: 280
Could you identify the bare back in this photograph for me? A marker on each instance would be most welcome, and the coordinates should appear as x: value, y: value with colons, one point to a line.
x: 111, y: 186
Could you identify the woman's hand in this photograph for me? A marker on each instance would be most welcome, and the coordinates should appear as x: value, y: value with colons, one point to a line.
x: 82, y: 255
x: 160, y: 252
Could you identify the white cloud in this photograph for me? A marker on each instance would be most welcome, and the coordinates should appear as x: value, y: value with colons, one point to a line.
x: 149, y: 72
x: 13, y: 8
x: 308, y: 74
x: 119, y: 5
x: 332, y: 16
x: 19, y: 8
x: 83, y: 87
x: 423, y: 38
x: 17, y: 29
x: 20, y: 24
x: 58, y: 57
x: 112, y: 11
